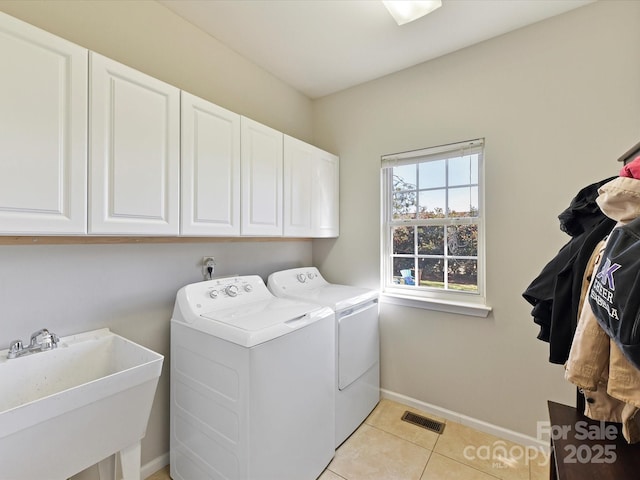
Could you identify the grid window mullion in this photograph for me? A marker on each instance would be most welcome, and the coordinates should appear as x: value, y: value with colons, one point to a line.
x: 416, y: 280
x: 445, y: 266
x: 446, y: 201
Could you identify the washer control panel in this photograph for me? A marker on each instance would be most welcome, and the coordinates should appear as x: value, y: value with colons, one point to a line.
x: 225, y: 288
x: 226, y: 292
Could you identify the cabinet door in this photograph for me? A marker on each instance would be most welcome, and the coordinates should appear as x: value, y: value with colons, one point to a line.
x: 135, y: 152
x: 210, y: 166
x: 326, y: 183
x: 261, y: 167
x: 43, y: 132
x: 299, y: 160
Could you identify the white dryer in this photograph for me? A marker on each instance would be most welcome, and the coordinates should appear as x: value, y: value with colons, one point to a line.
x: 252, y: 380
x: 357, y: 381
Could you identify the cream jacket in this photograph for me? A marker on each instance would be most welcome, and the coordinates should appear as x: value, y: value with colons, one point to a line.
x: 596, y: 365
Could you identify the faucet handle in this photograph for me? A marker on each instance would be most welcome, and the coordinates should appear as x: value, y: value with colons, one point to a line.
x: 35, y: 335
x: 15, y: 348
x: 47, y: 341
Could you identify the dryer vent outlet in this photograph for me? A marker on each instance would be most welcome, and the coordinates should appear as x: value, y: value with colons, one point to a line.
x: 423, y: 422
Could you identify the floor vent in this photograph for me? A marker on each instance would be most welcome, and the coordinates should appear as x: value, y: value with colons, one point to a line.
x: 423, y: 422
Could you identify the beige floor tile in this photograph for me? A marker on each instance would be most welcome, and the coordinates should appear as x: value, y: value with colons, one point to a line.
x: 371, y: 454
x: 329, y: 475
x: 443, y: 468
x: 160, y: 474
x: 492, y: 455
x: 387, y: 416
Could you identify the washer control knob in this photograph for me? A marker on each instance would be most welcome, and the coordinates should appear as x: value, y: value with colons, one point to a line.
x: 231, y: 290
x: 302, y: 277
x: 213, y: 294
x: 248, y: 287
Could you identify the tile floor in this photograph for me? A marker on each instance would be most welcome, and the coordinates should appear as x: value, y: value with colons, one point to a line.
x: 386, y: 448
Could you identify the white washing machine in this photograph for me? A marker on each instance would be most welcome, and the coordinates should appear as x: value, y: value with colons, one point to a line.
x: 252, y: 384
x: 357, y: 381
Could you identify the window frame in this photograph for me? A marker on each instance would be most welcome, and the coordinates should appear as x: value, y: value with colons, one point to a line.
x: 462, y: 302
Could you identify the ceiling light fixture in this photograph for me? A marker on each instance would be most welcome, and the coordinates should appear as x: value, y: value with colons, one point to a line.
x: 405, y: 11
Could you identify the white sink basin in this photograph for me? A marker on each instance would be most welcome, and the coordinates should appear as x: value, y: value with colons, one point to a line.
x: 66, y: 409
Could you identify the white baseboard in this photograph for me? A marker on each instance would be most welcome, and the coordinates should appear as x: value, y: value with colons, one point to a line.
x: 479, y: 425
x: 154, y: 465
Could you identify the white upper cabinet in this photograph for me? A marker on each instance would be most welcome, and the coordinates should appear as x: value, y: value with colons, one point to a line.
x: 298, y: 172
x: 326, y: 195
x: 261, y: 167
x: 210, y: 185
x: 134, y: 159
x: 88, y: 145
x: 43, y: 132
x: 310, y: 190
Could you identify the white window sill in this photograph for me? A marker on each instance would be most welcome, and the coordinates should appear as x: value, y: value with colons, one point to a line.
x: 449, y: 306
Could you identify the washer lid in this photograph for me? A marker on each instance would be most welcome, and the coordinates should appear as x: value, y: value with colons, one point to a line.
x: 258, y: 322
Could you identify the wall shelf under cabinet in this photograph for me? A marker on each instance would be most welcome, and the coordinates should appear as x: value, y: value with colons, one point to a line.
x: 79, y: 240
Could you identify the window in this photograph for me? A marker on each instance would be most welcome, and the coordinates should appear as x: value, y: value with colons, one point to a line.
x: 433, y: 236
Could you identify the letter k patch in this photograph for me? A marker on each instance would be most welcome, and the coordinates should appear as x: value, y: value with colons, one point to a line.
x: 606, y: 273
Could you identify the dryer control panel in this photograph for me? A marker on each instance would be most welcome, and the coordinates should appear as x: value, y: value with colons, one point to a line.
x: 296, y: 279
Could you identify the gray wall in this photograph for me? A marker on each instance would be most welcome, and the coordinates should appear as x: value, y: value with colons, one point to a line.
x: 557, y: 103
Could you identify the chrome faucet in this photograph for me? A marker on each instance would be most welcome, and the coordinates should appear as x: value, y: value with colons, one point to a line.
x: 41, y: 341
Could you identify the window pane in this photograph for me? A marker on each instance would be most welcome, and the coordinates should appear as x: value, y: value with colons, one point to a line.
x: 404, y: 205
x: 403, y: 240
x: 403, y: 271
x: 475, y: 205
x: 463, y: 275
x: 459, y: 171
x: 404, y: 178
x: 474, y: 168
x: 431, y: 272
x: 432, y: 174
x: 431, y: 240
x: 463, y: 202
x: 432, y: 204
x: 462, y: 240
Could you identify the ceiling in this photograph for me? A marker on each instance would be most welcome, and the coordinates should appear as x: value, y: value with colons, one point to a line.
x: 323, y: 46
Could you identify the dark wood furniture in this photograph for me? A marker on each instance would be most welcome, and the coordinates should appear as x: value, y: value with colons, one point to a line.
x: 584, y: 449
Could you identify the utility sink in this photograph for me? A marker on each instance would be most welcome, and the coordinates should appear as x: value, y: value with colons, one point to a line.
x: 66, y: 409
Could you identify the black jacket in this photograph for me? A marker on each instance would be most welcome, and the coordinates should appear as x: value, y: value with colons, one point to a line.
x: 555, y: 292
